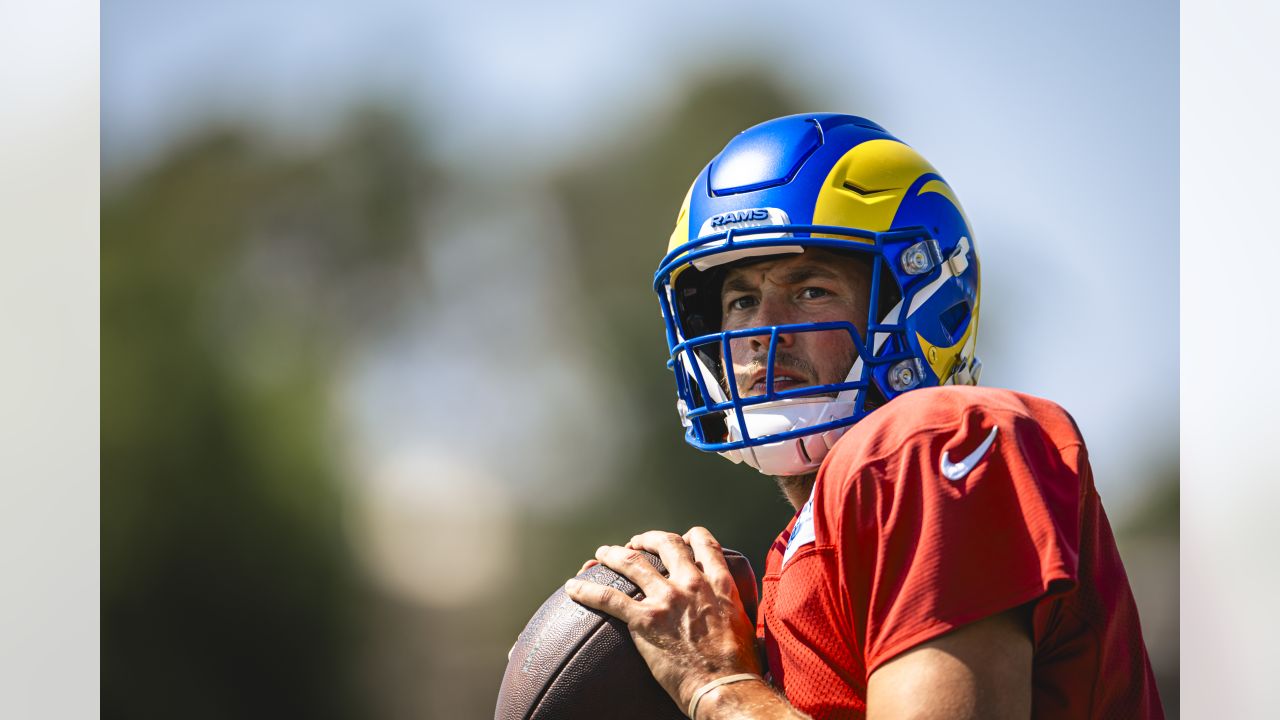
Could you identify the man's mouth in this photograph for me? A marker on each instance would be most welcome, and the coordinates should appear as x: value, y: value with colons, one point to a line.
x: 782, y: 380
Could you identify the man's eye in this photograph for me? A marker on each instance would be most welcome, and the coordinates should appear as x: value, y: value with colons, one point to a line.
x: 813, y: 293
x: 742, y: 303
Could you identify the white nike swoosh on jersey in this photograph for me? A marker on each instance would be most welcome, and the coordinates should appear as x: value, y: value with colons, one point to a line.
x: 956, y: 471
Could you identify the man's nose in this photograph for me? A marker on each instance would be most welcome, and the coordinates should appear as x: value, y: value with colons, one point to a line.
x: 774, y: 311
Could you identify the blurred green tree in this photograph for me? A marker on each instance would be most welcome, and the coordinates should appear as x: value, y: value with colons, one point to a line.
x: 233, y: 274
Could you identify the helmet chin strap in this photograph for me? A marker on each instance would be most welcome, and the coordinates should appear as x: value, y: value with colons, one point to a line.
x: 795, y: 456
x: 804, y: 454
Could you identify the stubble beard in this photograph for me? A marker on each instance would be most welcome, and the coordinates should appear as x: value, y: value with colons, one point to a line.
x: 793, y: 487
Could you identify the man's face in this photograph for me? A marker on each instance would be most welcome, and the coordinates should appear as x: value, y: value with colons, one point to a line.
x: 815, y: 286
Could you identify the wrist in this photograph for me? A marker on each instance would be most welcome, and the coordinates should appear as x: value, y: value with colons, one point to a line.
x: 702, y: 697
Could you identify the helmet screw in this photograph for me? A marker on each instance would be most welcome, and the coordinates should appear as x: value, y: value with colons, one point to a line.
x: 917, y: 259
x: 905, y: 374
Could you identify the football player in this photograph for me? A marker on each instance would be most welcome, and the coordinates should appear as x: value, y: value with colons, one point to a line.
x: 949, y: 556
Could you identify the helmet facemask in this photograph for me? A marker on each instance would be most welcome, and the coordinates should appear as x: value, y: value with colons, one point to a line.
x: 787, y: 417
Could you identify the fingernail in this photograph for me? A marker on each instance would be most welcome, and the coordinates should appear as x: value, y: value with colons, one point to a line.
x: 571, y: 584
x: 600, y: 550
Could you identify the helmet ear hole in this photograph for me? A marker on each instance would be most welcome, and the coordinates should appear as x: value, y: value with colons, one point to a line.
x: 955, y: 320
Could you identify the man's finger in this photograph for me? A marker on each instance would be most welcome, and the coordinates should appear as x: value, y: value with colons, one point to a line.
x: 710, y: 556
x: 632, y: 564
x: 588, y: 564
x: 675, y: 553
x: 601, y: 597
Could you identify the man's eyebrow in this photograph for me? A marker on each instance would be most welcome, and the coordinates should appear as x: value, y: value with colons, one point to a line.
x: 736, y: 283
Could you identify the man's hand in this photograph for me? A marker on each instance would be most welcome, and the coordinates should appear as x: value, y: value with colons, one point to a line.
x: 690, y: 627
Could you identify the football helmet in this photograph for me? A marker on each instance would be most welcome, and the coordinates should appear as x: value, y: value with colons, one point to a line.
x: 843, y: 184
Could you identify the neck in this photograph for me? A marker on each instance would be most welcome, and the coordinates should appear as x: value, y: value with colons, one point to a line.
x: 796, y: 488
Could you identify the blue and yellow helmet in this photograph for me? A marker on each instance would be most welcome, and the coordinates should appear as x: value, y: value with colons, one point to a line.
x: 844, y: 184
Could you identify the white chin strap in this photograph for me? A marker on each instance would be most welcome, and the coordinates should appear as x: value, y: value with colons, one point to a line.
x: 796, y: 456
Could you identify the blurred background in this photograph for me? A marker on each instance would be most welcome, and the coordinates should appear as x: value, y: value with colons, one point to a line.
x: 380, y: 361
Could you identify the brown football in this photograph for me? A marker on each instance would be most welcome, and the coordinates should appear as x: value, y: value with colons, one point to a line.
x: 573, y: 663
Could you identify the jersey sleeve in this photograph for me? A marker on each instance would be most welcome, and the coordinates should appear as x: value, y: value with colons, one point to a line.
x: 945, y: 530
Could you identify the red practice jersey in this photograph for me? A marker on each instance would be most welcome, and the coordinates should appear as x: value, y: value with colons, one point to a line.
x: 946, y: 506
